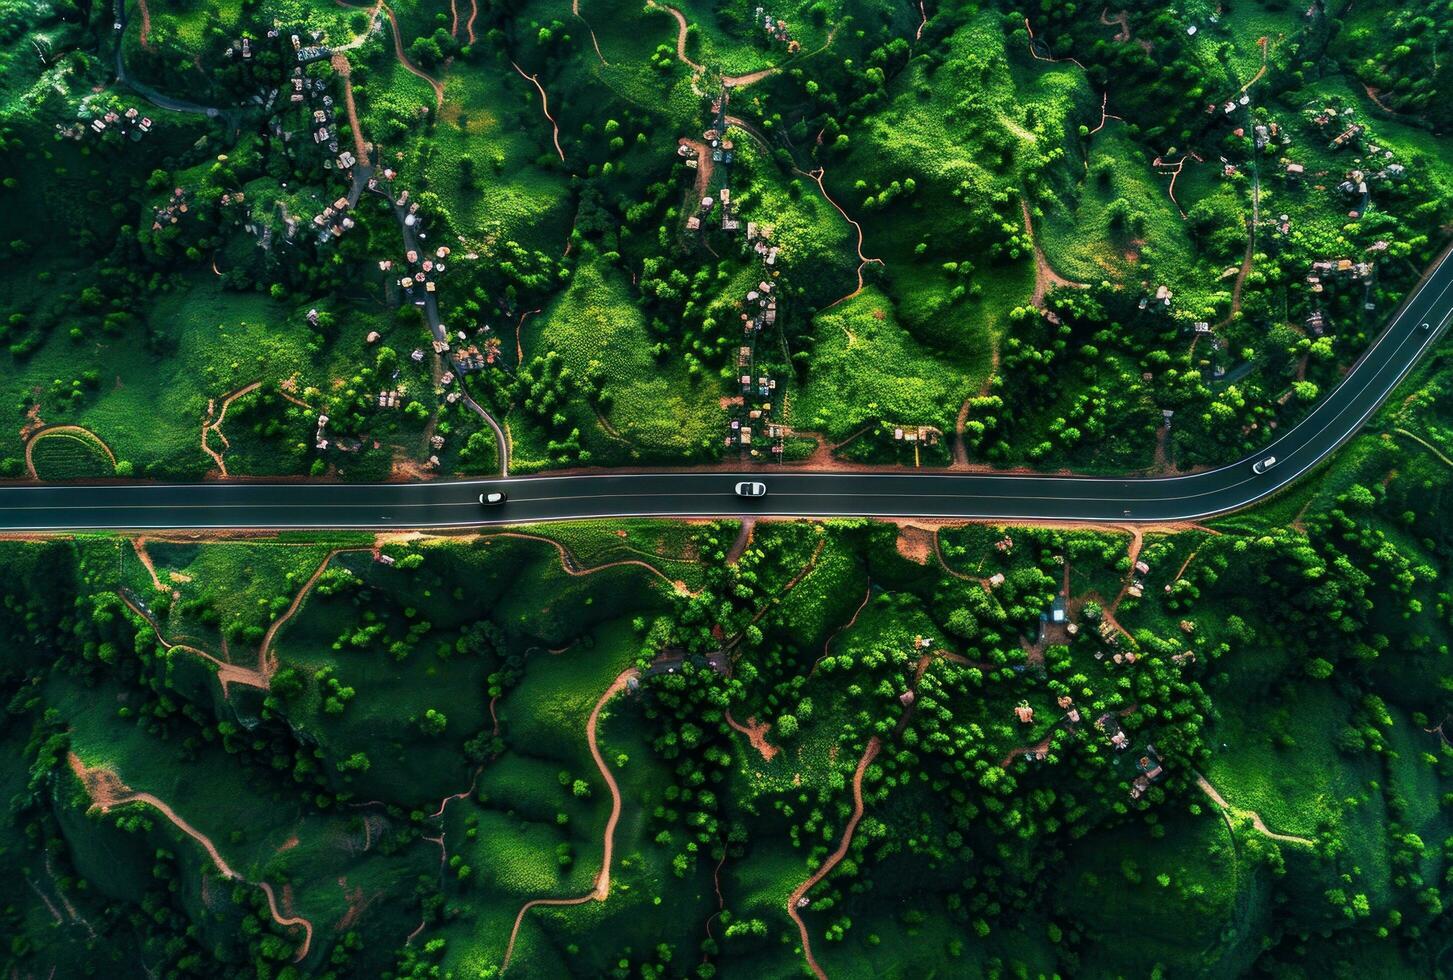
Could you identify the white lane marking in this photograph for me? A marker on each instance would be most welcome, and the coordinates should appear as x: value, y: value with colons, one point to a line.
x: 726, y: 475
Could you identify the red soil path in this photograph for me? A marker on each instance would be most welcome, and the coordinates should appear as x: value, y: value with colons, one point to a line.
x: 756, y: 734
x: 572, y: 566
x: 602, y: 880
x: 259, y: 677
x: 210, y: 424
x: 1044, y: 274
x: 145, y: 26
x: 863, y: 260
x: 80, y: 432
x: 267, y: 663
x: 800, y: 892
x: 681, y: 28
x: 403, y: 59
x: 867, y: 595
x: 106, y: 791
x: 344, y: 68
x: 469, y: 24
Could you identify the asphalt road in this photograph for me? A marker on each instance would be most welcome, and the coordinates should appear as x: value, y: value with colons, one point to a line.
x: 683, y: 494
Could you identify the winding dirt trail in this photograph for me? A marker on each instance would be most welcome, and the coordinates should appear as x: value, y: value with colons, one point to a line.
x: 210, y: 424
x: 267, y: 661
x: 799, y: 894
x: 1039, y: 57
x: 76, y: 431
x: 106, y: 791
x: 827, y: 644
x: 756, y: 733
x: 519, y: 344
x: 544, y: 107
x: 572, y: 566
x: 259, y: 677
x: 1044, y: 274
x: 575, y: 9
x: 681, y: 29
x: 863, y: 260
x: 602, y: 880
x: 1252, y: 815
x: 227, y: 673
x: 403, y: 59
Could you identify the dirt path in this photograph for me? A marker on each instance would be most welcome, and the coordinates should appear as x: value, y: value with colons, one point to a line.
x: 344, y: 68
x: 1174, y: 169
x: 575, y: 9
x: 259, y: 677
x: 1137, y: 541
x: 227, y: 673
x: 210, y: 424
x: 704, y: 166
x: 139, y: 546
x: 602, y: 880
x: 519, y: 344
x: 742, y: 81
x: 266, y: 661
x: 572, y: 565
x: 867, y: 596
x: 106, y: 790
x: 777, y: 597
x: 960, y: 450
x: 863, y: 260
x: 145, y: 26
x: 1039, y: 57
x: 1122, y: 19
x: 756, y: 733
x: 681, y: 28
x: 408, y: 65
x: 544, y: 107
x: 80, y: 432
x: 1255, y: 818
x: 799, y: 894
x: 744, y: 538
x: 1044, y: 274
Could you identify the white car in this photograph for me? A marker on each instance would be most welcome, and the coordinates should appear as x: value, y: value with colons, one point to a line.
x: 1262, y: 465
x: 493, y: 498
x: 749, y: 488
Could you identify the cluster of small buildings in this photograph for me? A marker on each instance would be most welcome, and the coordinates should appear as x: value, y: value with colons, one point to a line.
x: 333, y: 220
x: 128, y: 123
x: 171, y: 211
x: 421, y: 272
x: 776, y: 29
x: 310, y: 52
x: 1355, y: 184
x: 758, y: 389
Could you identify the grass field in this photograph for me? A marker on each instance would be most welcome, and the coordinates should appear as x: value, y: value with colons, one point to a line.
x: 656, y: 407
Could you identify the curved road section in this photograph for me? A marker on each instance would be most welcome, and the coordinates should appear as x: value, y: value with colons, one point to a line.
x: 802, y: 494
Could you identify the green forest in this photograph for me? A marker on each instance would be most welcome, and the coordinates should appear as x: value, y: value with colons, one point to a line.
x: 415, y: 240
x: 664, y: 749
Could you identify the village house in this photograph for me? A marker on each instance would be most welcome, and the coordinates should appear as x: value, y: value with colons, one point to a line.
x: 1024, y: 713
